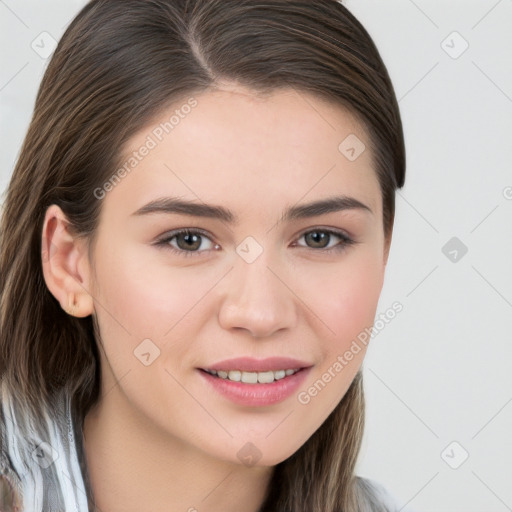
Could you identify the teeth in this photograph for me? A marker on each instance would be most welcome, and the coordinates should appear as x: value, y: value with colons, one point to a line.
x: 234, y: 375
x: 253, y: 377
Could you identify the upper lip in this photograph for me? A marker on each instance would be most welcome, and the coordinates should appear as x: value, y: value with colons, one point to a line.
x: 250, y: 364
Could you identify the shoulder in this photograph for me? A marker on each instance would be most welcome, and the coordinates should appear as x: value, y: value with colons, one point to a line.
x: 376, y: 498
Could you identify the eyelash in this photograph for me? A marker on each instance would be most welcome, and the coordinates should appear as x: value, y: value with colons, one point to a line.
x: 164, y: 242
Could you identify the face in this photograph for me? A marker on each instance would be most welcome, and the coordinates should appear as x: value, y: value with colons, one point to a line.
x: 262, y: 284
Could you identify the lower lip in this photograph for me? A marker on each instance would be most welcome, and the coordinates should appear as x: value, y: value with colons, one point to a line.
x: 255, y: 395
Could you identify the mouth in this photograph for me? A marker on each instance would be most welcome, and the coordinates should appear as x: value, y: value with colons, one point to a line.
x: 255, y: 388
x: 252, y: 377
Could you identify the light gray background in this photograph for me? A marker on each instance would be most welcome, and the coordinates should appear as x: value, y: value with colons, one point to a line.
x: 441, y: 370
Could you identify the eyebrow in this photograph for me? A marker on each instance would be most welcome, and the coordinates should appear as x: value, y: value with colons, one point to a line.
x: 175, y: 205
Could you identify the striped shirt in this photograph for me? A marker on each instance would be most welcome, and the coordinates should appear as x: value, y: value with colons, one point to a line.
x: 43, y: 470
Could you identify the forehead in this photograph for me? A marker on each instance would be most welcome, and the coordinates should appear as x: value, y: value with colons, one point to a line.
x: 246, y: 149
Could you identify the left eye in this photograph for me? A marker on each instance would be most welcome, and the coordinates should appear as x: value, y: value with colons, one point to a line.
x: 188, y: 241
x: 321, y: 235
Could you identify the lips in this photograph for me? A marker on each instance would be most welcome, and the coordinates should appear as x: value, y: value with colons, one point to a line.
x: 256, y: 394
x: 249, y: 364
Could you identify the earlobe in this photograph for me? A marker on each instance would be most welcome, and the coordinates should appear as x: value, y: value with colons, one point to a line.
x: 63, y: 257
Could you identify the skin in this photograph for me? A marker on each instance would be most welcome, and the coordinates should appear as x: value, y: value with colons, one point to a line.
x: 160, y: 435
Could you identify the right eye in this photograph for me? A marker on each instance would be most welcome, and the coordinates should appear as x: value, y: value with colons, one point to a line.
x: 185, y: 239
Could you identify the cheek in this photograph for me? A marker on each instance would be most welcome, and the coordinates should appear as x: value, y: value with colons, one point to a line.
x: 347, y: 300
x: 142, y: 297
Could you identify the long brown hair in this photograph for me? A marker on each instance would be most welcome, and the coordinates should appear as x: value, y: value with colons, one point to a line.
x: 117, y: 66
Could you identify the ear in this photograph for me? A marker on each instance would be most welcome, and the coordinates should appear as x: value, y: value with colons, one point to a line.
x: 65, y: 264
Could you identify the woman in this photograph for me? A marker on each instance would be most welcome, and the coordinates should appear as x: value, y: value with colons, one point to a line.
x: 194, y: 242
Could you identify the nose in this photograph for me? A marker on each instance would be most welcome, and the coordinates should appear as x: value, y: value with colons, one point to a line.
x: 258, y: 299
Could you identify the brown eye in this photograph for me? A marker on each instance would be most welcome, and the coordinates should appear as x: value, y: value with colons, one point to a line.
x: 188, y: 242
x: 320, y: 239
